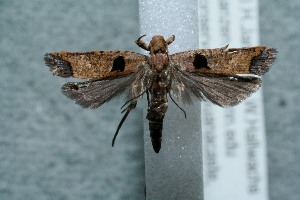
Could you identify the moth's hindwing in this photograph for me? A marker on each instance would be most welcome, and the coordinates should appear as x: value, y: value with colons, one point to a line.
x: 95, y: 92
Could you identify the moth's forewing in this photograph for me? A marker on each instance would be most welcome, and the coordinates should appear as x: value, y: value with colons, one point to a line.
x: 94, y: 64
x: 252, y: 60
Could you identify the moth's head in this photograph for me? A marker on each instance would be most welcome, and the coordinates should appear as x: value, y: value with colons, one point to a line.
x: 158, y: 45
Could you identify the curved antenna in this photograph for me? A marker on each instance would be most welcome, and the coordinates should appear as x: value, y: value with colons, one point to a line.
x: 142, y: 44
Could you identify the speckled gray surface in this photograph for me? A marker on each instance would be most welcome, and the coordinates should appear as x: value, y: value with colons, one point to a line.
x: 50, y: 148
x: 280, y: 27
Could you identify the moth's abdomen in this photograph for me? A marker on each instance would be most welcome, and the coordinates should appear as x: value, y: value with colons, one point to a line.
x: 156, y: 113
x: 155, y: 127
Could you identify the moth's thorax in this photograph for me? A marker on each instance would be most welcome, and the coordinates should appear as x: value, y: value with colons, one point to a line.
x: 159, y: 62
x: 159, y: 53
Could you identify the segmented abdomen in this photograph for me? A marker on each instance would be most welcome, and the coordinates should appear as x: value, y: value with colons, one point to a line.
x: 156, y: 113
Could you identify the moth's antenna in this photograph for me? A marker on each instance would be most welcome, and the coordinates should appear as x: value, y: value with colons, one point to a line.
x: 177, y: 105
x: 142, y: 44
x: 129, y: 108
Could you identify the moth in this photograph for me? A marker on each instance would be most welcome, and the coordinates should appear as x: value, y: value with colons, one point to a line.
x: 217, y: 75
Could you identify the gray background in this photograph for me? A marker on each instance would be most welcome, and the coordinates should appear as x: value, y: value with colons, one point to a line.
x: 51, y: 148
x: 280, y: 27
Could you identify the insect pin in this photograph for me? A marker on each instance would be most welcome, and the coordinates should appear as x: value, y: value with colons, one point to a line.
x: 218, y: 75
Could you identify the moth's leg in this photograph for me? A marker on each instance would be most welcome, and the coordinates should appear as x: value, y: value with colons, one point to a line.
x: 148, y: 99
x: 177, y: 105
x: 132, y: 101
x: 142, y: 44
x: 131, y: 106
x: 170, y: 39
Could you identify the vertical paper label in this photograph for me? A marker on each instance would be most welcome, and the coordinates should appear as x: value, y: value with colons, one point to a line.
x: 234, y: 138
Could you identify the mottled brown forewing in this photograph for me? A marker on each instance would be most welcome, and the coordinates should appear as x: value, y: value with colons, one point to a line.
x: 252, y: 60
x: 94, y: 64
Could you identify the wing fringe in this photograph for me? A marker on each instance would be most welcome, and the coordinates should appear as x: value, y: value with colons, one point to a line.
x: 261, y: 64
x: 57, y: 66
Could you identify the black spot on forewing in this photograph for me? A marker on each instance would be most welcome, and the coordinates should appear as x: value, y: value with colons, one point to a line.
x: 118, y: 64
x: 200, y: 61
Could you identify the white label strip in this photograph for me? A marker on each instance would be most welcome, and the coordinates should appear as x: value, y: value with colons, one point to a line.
x: 234, y: 151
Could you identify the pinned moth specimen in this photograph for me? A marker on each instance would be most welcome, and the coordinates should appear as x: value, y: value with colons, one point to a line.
x: 196, y: 75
